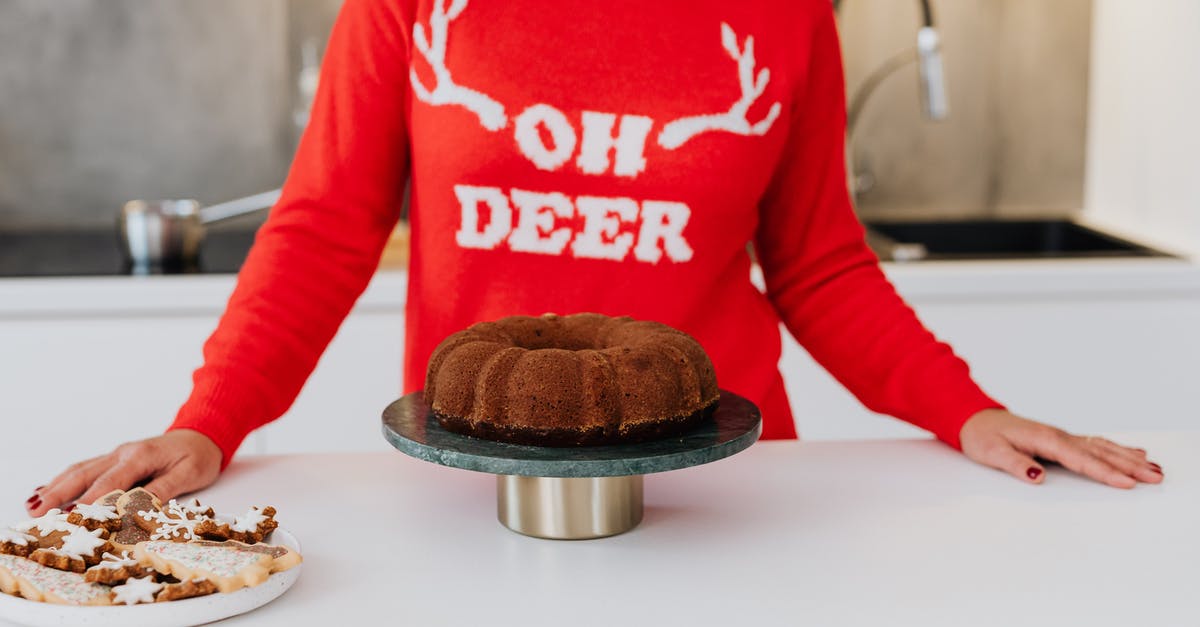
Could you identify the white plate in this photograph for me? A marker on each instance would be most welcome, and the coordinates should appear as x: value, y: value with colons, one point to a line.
x: 195, y: 611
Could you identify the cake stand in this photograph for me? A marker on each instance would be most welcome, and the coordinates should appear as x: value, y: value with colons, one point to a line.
x: 571, y: 493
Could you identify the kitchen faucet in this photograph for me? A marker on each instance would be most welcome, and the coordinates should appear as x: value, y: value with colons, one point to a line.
x: 934, y: 103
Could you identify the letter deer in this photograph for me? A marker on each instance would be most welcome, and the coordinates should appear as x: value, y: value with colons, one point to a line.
x: 678, y: 132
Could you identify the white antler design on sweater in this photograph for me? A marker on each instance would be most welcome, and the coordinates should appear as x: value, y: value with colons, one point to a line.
x: 678, y: 132
x: 446, y: 91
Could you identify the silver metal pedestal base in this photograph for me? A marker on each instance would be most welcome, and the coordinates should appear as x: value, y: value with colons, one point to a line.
x: 568, y: 508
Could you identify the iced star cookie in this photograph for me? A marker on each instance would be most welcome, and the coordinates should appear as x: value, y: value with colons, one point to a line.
x: 49, y: 528
x: 40, y: 583
x: 137, y: 590
x: 13, y: 542
x: 80, y: 548
x: 94, y: 517
x: 192, y: 509
x: 116, y: 569
x: 229, y: 566
x: 248, y: 528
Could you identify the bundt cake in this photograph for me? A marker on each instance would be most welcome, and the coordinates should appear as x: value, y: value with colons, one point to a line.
x: 582, y: 379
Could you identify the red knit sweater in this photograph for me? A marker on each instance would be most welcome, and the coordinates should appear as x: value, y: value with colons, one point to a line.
x: 614, y: 156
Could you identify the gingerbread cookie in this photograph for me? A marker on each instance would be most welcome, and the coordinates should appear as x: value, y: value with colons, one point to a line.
x: 130, y: 506
x: 177, y: 522
x: 49, y: 528
x: 79, y: 549
x: 110, y: 499
x: 114, y: 569
x: 94, y: 517
x: 185, y: 590
x: 136, y: 590
x: 249, y: 528
x: 228, y: 565
x: 13, y: 542
x: 40, y: 583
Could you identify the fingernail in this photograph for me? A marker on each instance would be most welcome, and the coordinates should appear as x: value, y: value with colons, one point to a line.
x: 31, y: 499
x: 1033, y: 473
x: 68, y: 508
x: 35, y: 503
x: 1155, y: 466
x: 39, y: 488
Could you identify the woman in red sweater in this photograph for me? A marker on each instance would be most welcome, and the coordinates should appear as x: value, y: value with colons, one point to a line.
x: 614, y: 157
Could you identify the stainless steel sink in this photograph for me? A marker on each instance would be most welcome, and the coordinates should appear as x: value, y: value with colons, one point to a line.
x: 997, y: 239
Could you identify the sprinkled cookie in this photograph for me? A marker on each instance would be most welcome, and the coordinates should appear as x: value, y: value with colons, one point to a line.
x: 130, y: 505
x: 114, y: 569
x: 282, y: 558
x: 230, y: 567
x: 185, y: 590
x: 13, y: 542
x: 137, y: 590
x: 251, y: 527
x: 40, y: 583
x: 110, y: 499
x: 94, y: 517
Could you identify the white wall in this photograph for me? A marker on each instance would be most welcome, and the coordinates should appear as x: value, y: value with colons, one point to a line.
x: 1143, y: 158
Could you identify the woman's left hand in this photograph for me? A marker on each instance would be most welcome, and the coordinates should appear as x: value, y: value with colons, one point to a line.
x: 997, y: 438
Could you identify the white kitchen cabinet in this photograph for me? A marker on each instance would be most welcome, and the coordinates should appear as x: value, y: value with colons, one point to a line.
x: 1088, y: 346
x: 86, y: 364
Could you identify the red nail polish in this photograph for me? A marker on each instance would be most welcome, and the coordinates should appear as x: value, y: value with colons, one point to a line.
x: 69, y: 508
x: 36, y: 503
x: 39, y: 488
x: 1033, y: 473
x: 31, y: 499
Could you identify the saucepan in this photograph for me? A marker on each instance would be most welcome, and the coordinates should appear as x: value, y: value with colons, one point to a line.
x: 166, y: 234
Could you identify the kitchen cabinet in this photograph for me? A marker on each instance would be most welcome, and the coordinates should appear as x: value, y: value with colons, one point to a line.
x: 100, y: 361
x: 1090, y: 346
x: 1087, y: 345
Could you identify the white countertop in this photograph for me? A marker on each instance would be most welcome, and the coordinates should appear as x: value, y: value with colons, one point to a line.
x: 925, y: 281
x: 787, y: 533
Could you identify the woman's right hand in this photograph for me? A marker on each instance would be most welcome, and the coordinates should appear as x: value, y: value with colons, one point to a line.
x: 171, y: 464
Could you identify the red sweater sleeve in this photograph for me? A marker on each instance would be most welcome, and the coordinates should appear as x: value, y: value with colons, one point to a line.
x: 826, y: 283
x: 322, y: 242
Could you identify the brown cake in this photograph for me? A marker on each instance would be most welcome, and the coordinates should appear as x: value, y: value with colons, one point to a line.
x: 571, y: 380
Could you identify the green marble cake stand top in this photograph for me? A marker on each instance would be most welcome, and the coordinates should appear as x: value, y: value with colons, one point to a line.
x: 409, y: 425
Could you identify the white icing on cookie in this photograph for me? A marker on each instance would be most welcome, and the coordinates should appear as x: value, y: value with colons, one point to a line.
x: 51, y: 521
x: 67, y: 586
x: 82, y: 543
x: 114, y: 562
x: 100, y: 513
x: 192, y: 507
x: 12, y: 536
x: 136, y: 591
x: 249, y: 522
x: 168, y: 528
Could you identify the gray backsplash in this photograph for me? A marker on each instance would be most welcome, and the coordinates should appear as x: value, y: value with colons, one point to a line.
x: 102, y: 101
